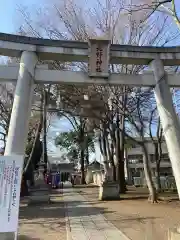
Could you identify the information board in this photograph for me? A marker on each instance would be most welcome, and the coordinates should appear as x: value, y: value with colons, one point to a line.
x: 10, y: 183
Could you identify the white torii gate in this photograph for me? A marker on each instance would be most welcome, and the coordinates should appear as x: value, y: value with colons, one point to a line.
x: 99, y: 54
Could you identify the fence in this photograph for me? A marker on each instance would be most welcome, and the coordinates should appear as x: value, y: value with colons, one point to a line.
x: 167, y: 183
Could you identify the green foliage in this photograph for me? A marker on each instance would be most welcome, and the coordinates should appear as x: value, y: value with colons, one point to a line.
x: 71, y: 142
x: 128, y: 144
x: 67, y: 139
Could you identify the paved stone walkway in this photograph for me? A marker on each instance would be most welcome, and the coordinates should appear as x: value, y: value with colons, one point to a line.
x: 84, y: 222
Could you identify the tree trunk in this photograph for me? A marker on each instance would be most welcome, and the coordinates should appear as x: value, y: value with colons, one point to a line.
x: 112, y: 162
x: 29, y: 161
x: 127, y: 169
x: 87, y: 153
x: 24, y: 187
x: 120, y: 157
x: 105, y: 156
x: 113, y: 143
x: 114, y: 172
x: 4, y: 139
x: 82, y: 167
x: 87, y: 156
x: 122, y: 167
x: 157, y: 170
x: 110, y: 154
x: 148, y: 176
x: 36, y: 139
x: 45, y: 157
x: 158, y: 180
x: 82, y: 151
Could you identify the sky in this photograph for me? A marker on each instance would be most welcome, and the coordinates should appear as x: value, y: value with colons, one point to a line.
x: 6, y: 16
x: 9, y: 13
x: 9, y: 22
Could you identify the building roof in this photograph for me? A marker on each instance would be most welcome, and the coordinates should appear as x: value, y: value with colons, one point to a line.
x: 96, y: 164
x: 57, y: 160
x: 62, y: 167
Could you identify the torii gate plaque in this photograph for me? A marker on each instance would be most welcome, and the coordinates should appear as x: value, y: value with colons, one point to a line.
x: 99, y: 53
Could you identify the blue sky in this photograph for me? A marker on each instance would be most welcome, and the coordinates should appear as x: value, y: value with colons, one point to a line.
x: 6, y: 16
x: 9, y: 13
x: 9, y: 22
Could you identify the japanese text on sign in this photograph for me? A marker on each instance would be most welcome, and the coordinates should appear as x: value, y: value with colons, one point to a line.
x: 98, y: 64
x: 10, y: 181
x: 99, y: 54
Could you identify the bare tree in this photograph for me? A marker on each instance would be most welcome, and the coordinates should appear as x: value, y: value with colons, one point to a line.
x: 167, y: 7
x: 6, y: 100
x: 157, y: 141
x: 139, y: 119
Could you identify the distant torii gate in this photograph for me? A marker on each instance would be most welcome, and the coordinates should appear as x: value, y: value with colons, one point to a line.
x: 99, y: 54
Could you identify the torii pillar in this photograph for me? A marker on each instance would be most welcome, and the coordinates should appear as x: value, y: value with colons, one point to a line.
x: 18, y: 127
x: 169, y: 119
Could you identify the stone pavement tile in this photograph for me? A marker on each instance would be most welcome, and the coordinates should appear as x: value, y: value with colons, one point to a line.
x: 89, y: 225
x: 78, y: 235
x: 96, y: 237
x: 98, y: 217
x: 84, y: 222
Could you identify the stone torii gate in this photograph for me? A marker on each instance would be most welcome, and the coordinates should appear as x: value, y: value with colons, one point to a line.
x: 99, y: 54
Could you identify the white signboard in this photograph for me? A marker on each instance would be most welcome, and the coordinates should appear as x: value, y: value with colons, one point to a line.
x: 10, y: 183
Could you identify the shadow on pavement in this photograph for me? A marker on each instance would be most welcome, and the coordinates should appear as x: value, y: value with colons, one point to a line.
x: 86, y: 186
x: 42, y: 211
x: 131, y: 219
x: 58, y: 210
x: 145, y: 197
x: 24, y: 237
x: 128, y: 196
